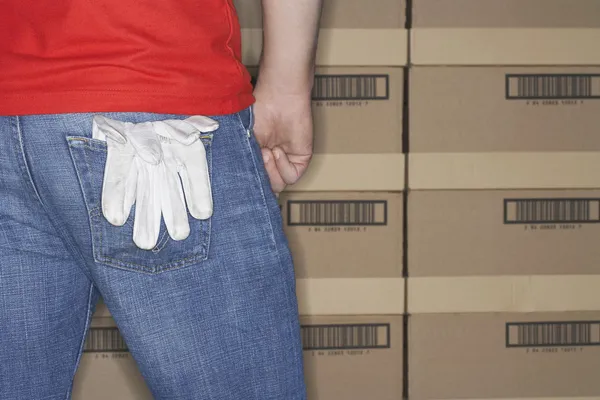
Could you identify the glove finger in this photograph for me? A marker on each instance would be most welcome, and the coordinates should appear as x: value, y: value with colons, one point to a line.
x: 146, y: 224
x: 119, y: 178
x: 177, y: 130
x: 130, y: 189
x: 103, y: 127
x: 196, y: 181
x: 187, y: 131
x: 146, y: 143
x: 173, y: 204
x: 202, y: 123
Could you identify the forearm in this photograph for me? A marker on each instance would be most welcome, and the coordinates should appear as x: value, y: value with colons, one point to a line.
x: 289, y: 43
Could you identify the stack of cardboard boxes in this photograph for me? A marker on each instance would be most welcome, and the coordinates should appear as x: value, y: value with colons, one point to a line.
x: 344, y: 220
x: 504, y: 200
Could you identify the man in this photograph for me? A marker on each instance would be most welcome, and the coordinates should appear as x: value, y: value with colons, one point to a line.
x: 112, y: 113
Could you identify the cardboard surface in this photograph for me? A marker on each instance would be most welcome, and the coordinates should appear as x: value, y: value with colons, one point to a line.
x: 503, y: 232
x: 504, y: 170
x: 503, y: 250
x: 509, y: 32
x: 504, y: 127
x: 338, y: 14
x: 503, y: 293
x: 504, y: 356
x: 357, y: 117
x: 358, y: 110
x: 372, y: 369
x: 352, y: 172
x: 506, y: 13
x: 504, y: 109
x: 347, y: 250
x: 344, y: 235
x: 353, y: 32
x: 351, y: 357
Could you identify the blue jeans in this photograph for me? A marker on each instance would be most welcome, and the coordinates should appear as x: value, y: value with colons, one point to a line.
x: 213, y: 317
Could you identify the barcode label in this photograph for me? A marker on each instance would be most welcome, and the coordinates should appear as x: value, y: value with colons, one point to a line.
x: 104, y: 340
x: 545, y: 334
x: 314, y: 337
x: 552, y: 86
x: 351, y: 87
x: 337, y: 212
x: 345, y: 336
x: 549, y: 211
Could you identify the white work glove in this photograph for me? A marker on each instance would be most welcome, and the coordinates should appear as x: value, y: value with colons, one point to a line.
x: 147, y: 163
x: 184, y: 164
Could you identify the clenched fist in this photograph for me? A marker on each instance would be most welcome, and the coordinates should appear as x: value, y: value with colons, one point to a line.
x: 283, y: 127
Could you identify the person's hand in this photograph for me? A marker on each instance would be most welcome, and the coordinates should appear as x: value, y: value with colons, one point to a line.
x: 283, y: 127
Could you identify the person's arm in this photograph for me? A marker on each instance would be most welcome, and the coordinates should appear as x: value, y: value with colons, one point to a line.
x: 283, y: 113
x: 290, y: 32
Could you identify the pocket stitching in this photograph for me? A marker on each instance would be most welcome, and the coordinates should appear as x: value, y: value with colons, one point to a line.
x: 250, y: 126
x: 85, y: 197
x: 248, y: 137
x: 97, y: 229
x: 206, y: 225
x: 259, y: 181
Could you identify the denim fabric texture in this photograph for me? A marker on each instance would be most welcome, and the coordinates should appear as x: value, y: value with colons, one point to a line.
x: 212, y: 317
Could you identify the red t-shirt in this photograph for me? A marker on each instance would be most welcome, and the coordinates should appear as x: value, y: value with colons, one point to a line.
x: 177, y: 56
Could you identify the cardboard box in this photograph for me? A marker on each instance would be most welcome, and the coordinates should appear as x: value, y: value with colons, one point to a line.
x: 347, y: 250
x: 504, y: 109
x: 513, y: 250
x: 504, y: 356
x: 358, y: 110
x: 350, y: 357
x: 357, y: 117
x: 107, y: 370
x: 352, y: 32
x: 353, y: 357
x: 504, y: 127
x: 505, y: 32
x: 503, y: 232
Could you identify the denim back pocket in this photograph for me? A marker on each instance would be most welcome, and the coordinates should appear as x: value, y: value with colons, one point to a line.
x: 113, y: 245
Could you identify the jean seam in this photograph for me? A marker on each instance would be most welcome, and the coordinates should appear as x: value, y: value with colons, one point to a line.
x: 257, y: 172
x: 24, y: 165
x: 133, y: 266
x: 206, y: 225
x: 160, y: 243
x: 90, y: 217
x: 245, y: 128
x: 88, y: 319
x: 262, y: 193
x: 292, y: 306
